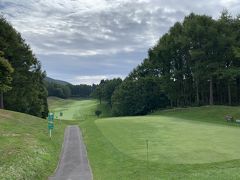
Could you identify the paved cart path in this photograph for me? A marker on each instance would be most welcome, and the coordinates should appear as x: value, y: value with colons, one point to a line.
x: 73, y: 164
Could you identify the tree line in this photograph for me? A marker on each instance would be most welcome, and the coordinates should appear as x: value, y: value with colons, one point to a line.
x: 197, y: 62
x: 105, y: 89
x: 69, y: 90
x: 21, y: 77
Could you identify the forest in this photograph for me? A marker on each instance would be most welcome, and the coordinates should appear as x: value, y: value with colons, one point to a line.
x: 197, y: 62
x: 69, y: 90
x: 21, y: 77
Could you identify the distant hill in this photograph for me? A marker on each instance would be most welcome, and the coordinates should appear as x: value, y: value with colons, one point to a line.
x: 51, y: 80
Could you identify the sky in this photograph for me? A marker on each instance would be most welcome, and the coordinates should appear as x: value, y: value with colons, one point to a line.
x: 84, y: 41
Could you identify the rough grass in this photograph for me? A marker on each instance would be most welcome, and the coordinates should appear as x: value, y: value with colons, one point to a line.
x: 192, y: 143
x: 26, y: 151
x: 211, y: 114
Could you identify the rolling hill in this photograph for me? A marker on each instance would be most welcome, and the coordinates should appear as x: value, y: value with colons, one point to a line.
x: 51, y: 80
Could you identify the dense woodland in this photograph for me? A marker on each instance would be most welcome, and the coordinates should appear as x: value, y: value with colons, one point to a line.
x: 69, y: 90
x: 21, y: 78
x: 105, y: 90
x: 196, y: 63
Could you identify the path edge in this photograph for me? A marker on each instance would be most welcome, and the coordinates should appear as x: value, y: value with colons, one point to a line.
x: 60, y: 154
x: 85, y: 148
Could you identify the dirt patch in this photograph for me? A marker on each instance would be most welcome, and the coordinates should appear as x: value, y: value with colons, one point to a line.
x: 5, y: 114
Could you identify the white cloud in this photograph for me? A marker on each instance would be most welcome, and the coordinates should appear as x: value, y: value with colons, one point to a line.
x: 108, y: 33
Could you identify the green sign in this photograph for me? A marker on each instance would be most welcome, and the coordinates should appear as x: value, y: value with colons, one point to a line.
x: 50, y: 117
x: 50, y: 121
x: 50, y: 125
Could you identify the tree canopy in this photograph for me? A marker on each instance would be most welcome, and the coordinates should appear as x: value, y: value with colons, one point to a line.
x: 105, y: 90
x: 197, y: 62
x: 69, y: 90
x: 6, y: 71
x: 28, y: 93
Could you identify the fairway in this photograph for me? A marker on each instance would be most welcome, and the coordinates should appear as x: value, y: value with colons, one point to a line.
x: 71, y: 109
x: 172, y: 140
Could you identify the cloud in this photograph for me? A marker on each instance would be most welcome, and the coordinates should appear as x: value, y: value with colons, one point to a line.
x: 78, y: 38
x: 94, y: 79
x: 88, y: 27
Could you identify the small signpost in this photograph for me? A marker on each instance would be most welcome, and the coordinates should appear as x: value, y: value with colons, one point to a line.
x: 50, y: 123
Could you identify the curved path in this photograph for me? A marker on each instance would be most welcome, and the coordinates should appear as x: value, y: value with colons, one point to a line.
x: 73, y: 164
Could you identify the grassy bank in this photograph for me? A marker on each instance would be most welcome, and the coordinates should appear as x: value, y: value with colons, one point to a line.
x: 193, y: 143
x: 26, y: 151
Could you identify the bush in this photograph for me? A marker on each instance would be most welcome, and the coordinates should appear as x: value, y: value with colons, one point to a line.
x: 98, y: 113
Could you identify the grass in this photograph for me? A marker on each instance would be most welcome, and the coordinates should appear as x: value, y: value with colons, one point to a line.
x: 26, y: 151
x: 71, y: 109
x: 192, y: 143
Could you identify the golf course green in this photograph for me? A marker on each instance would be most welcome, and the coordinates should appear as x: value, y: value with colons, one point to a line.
x: 190, y: 143
x: 171, y: 140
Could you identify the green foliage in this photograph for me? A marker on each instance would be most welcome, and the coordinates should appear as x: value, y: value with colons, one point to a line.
x: 68, y: 90
x: 105, y: 90
x: 237, y: 51
x: 98, y: 93
x: 98, y: 113
x: 81, y: 90
x: 195, y: 63
x: 28, y: 93
x: 6, y: 71
x: 58, y: 90
x: 138, y: 97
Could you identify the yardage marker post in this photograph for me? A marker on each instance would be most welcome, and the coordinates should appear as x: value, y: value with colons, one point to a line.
x: 50, y: 123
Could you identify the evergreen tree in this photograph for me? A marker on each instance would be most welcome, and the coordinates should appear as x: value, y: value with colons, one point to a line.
x: 28, y: 94
x: 197, y: 62
x: 6, y: 71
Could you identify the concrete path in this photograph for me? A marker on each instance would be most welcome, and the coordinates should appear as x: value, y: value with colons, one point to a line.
x: 73, y: 164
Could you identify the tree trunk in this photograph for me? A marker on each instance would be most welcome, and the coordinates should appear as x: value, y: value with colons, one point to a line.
x: 229, y: 95
x: 202, y: 97
x: 211, y: 91
x: 238, y: 90
x: 197, y: 93
x: 1, y: 101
